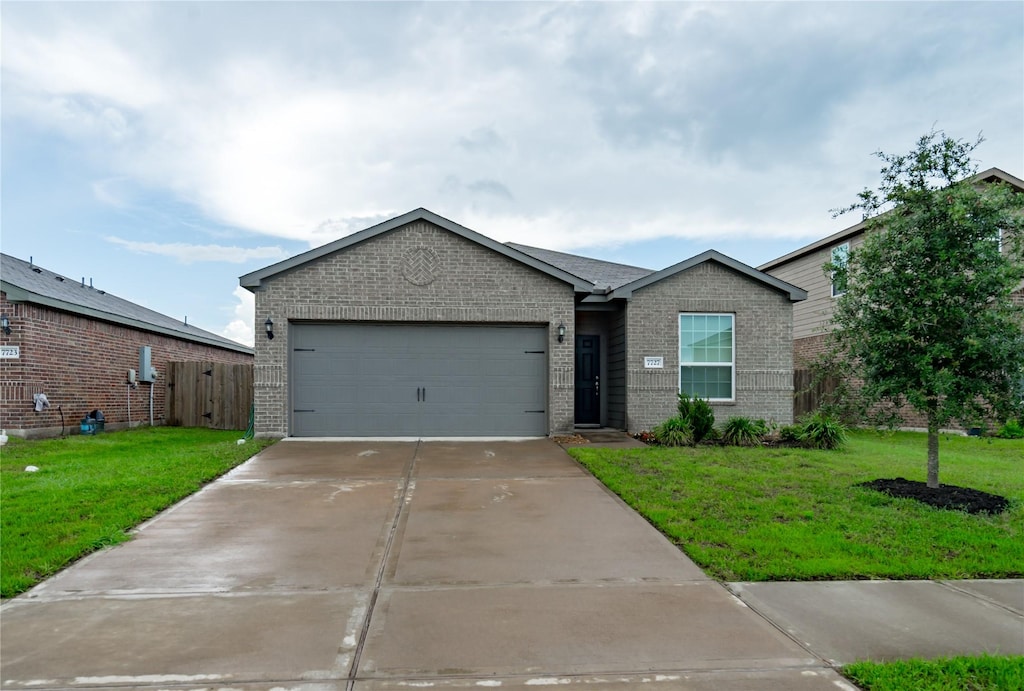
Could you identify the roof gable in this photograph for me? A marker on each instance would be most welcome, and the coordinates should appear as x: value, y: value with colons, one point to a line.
x: 25, y: 282
x: 254, y: 279
x: 795, y: 294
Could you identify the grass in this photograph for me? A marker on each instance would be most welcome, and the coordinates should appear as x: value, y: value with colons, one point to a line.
x: 985, y: 673
x: 90, y: 491
x: 760, y: 514
x: 755, y: 514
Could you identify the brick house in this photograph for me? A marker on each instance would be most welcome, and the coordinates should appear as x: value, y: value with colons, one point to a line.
x: 75, y: 344
x: 421, y: 327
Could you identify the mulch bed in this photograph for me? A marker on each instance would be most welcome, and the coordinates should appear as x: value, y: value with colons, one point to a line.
x: 945, y: 497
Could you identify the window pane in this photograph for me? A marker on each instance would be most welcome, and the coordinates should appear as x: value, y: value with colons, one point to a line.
x: 706, y: 382
x: 685, y: 338
x: 705, y: 338
x: 840, y: 258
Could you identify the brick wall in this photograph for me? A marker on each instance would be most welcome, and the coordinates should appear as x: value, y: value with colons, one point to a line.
x: 81, y: 364
x: 807, y: 350
x: 416, y: 273
x: 763, y: 335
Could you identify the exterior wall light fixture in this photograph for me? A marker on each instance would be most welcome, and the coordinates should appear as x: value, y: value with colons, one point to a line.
x: 561, y: 332
x: 5, y: 325
x: 269, y: 324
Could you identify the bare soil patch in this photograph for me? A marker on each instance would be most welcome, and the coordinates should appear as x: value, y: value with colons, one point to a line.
x: 949, y: 497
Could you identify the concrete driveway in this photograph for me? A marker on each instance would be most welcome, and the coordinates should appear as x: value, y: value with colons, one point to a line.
x: 385, y: 565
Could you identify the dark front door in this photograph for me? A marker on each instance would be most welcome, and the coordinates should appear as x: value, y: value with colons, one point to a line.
x: 588, y: 380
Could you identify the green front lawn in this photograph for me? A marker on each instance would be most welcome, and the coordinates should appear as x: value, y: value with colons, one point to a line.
x: 985, y: 673
x: 759, y: 514
x: 89, y: 491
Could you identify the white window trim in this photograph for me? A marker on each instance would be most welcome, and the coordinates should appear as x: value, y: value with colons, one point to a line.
x: 732, y: 350
x: 832, y: 277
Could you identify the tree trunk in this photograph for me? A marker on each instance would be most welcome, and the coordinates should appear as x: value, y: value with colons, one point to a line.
x: 933, y: 453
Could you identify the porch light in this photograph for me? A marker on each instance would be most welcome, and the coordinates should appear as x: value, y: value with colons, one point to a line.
x: 269, y: 324
x: 5, y: 325
x: 561, y: 332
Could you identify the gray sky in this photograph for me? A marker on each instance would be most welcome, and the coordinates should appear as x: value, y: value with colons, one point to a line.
x: 164, y: 149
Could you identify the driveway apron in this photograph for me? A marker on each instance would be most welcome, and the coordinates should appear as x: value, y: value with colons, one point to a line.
x: 384, y: 565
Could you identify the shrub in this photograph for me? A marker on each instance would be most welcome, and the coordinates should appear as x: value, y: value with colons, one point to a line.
x: 791, y: 433
x: 673, y: 432
x: 698, y: 414
x: 823, y: 431
x: 685, y: 405
x: 1011, y: 430
x: 742, y: 431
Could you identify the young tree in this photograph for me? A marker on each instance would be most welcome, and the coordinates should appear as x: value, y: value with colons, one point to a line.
x: 927, y: 318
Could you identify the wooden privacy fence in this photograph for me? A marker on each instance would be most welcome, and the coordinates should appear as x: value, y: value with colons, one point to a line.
x: 209, y: 394
x: 808, y: 395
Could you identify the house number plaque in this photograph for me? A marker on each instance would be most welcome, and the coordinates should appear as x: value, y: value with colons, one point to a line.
x: 654, y: 362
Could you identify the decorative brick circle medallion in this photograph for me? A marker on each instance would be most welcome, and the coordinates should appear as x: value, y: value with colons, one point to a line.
x: 419, y: 266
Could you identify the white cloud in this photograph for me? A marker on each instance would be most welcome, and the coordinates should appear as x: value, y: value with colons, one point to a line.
x: 240, y: 328
x: 67, y: 60
x: 188, y: 254
x: 567, y: 125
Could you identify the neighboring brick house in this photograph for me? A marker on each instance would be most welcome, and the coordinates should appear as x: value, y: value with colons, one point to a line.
x: 75, y: 344
x: 421, y: 327
x: 804, y: 267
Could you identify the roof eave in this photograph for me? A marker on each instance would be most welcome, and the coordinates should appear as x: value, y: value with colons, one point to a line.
x: 842, y: 235
x: 846, y: 233
x: 794, y: 293
x: 18, y: 294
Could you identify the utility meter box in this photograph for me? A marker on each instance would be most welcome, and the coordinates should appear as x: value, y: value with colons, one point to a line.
x: 146, y: 371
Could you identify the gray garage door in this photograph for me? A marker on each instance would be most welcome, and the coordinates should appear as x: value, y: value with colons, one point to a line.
x: 418, y: 380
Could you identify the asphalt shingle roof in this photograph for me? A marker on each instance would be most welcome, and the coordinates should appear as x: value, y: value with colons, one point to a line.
x: 39, y: 285
x: 601, y: 273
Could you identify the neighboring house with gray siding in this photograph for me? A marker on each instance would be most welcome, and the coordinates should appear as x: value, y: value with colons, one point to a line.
x: 420, y: 327
x: 804, y: 267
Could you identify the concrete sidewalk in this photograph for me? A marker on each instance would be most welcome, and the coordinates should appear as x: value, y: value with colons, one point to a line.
x: 847, y: 621
x: 376, y: 565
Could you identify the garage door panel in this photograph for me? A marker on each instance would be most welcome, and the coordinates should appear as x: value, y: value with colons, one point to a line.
x: 418, y: 380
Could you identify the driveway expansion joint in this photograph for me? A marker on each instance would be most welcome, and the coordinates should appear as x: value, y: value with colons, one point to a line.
x: 736, y: 588
x: 1019, y: 611
x: 402, y: 502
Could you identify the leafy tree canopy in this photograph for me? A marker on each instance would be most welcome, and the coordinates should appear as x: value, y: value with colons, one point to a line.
x: 927, y: 318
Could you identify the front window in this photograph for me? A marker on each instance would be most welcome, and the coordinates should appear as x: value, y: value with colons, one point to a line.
x: 840, y: 258
x: 706, y: 356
